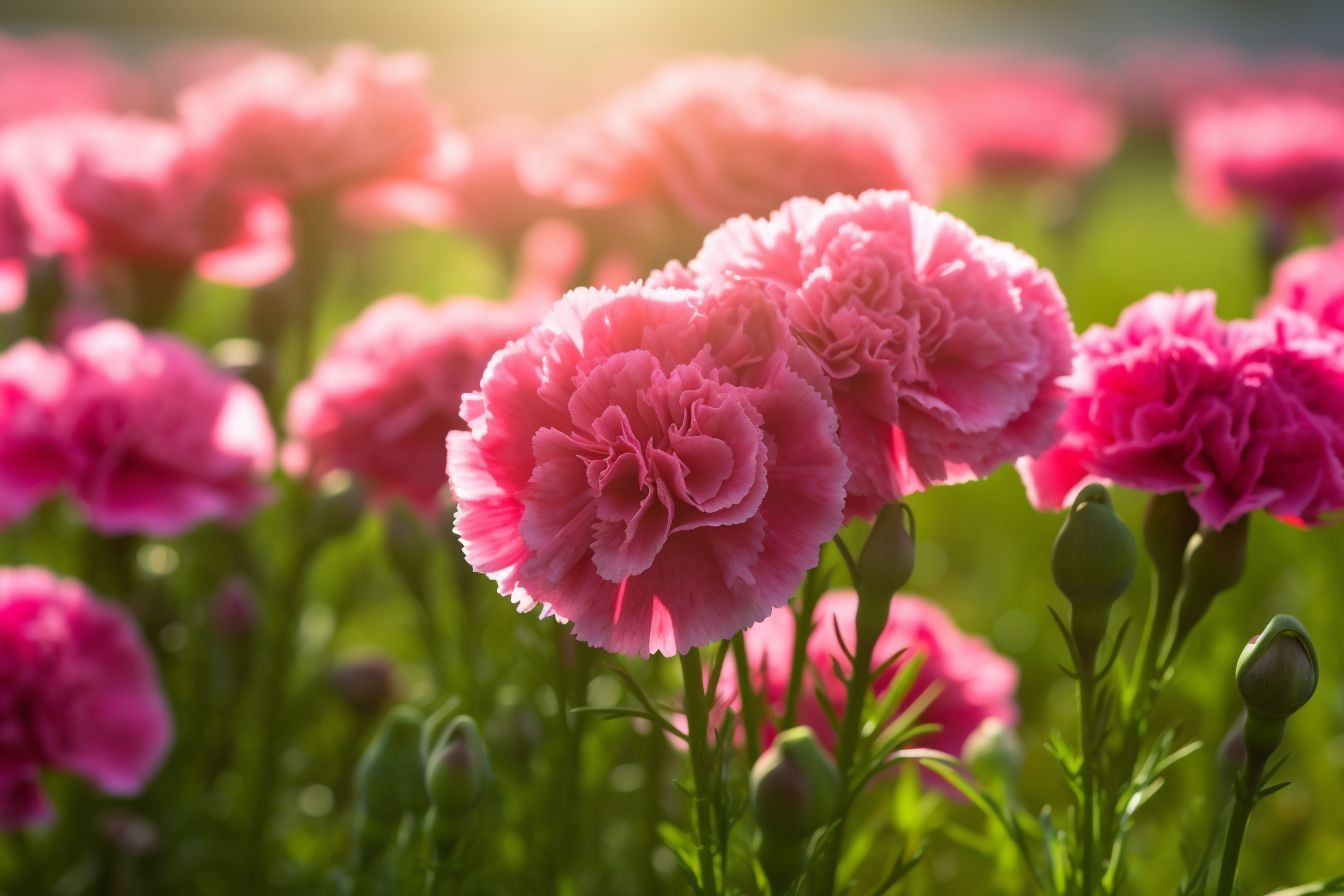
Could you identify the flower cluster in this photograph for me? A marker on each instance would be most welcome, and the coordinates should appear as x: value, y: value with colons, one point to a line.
x: 78, y: 693
x: 140, y: 431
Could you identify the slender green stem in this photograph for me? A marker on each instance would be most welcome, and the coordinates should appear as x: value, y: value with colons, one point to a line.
x: 697, y: 730
x: 802, y: 632
x: 1236, y: 831
x: 1087, y: 822
x: 751, y: 714
x: 288, y: 600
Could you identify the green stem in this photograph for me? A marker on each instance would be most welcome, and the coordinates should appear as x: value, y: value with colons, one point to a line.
x: 697, y: 729
x: 751, y: 716
x: 1248, y: 783
x: 1087, y: 825
x: 288, y: 600
x: 802, y: 633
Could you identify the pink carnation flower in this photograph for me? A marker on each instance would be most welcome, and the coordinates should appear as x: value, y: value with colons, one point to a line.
x: 976, y: 683
x: 1282, y: 151
x: 78, y: 693
x: 381, y: 401
x: 945, y: 349
x: 157, y: 440
x: 1312, y: 281
x: 707, y: 139
x: 276, y: 123
x: 1240, y: 416
x: 63, y: 73
x: 33, y: 384
x: 1003, y: 116
x: 656, y: 465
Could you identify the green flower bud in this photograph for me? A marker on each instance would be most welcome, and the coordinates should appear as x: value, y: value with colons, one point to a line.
x: 336, y: 507
x: 1278, y: 670
x: 1095, y: 554
x: 993, y: 753
x: 390, y: 777
x: 888, y: 556
x: 795, y: 786
x: 407, y: 546
x: 1169, y: 522
x: 457, y: 772
x: 1276, y: 675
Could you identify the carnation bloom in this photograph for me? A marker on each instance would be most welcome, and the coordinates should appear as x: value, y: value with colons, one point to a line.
x: 381, y: 401
x: 100, y: 188
x: 944, y: 349
x: 275, y: 122
x: 1239, y: 416
x: 78, y: 693
x: 974, y: 682
x: 657, y: 465
x: 157, y: 440
x: 1009, y: 116
x: 1284, y: 152
x: 1312, y: 281
x: 706, y: 139
x: 33, y: 384
x: 63, y: 73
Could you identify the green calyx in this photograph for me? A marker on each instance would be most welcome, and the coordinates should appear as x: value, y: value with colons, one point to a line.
x: 390, y: 780
x: 457, y: 769
x: 1278, y: 670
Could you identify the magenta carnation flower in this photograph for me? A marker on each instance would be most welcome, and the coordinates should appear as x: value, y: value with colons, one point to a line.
x: 33, y: 384
x: 1239, y: 416
x: 975, y: 682
x: 157, y: 440
x: 1312, y: 281
x: 381, y: 401
x: 944, y: 349
x: 657, y: 465
x: 707, y: 139
x: 275, y: 122
x: 1282, y: 151
x: 78, y: 693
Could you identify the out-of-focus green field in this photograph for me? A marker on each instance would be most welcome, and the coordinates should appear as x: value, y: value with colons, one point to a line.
x: 983, y: 553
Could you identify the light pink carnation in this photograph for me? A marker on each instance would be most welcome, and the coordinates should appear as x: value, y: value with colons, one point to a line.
x: 707, y: 139
x: 1282, y: 151
x: 59, y: 73
x: 656, y: 465
x: 381, y: 401
x: 275, y: 122
x: 1239, y: 416
x: 944, y: 349
x: 78, y: 693
x: 34, y: 382
x: 1312, y: 281
x: 976, y: 683
x: 1005, y: 116
x: 157, y: 440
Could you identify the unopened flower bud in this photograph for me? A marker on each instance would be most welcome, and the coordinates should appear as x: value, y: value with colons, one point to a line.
x: 457, y: 772
x: 336, y: 507
x: 1277, y: 673
x: 366, y: 684
x: 232, y: 613
x: 795, y: 786
x: 407, y: 546
x: 888, y: 556
x: 993, y: 753
x: 1095, y: 554
x: 390, y: 777
x: 1278, y: 670
x: 1169, y: 522
x: 1214, y: 562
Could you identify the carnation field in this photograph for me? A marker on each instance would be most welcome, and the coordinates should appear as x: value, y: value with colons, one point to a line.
x: 406, y: 492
